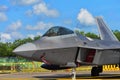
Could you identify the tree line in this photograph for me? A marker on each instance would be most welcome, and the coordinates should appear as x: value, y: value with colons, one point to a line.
x: 7, y: 48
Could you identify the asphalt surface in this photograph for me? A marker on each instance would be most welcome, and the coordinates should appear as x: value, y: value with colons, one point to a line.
x: 59, y: 76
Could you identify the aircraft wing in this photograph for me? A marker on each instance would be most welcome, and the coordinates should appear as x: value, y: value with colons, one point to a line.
x: 101, y: 45
x: 105, y: 32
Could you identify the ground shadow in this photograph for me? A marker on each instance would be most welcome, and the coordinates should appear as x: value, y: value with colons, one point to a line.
x: 79, y: 76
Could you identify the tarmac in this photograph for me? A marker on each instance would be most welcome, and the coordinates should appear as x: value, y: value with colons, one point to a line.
x: 83, y: 75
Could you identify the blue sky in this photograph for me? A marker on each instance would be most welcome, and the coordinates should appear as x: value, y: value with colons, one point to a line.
x: 29, y: 18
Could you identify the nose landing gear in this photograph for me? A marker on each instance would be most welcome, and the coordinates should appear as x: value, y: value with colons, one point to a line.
x: 94, y: 72
x: 73, y: 74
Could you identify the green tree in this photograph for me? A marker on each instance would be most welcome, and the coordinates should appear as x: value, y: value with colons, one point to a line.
x: 6, y: 49
x: 36, y: 38
x: 117, y: 34
x: 92, y: 35
x: 88, y: 34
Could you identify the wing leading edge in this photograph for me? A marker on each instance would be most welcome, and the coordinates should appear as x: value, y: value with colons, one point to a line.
x: 105, y: 32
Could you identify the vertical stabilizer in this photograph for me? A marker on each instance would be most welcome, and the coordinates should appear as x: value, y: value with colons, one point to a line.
x: 105, y: 32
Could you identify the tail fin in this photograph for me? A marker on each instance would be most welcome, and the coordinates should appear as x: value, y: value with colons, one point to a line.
x: 105, y: 32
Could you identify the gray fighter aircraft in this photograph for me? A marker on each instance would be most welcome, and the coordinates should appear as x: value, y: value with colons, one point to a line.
x: 61, y: 48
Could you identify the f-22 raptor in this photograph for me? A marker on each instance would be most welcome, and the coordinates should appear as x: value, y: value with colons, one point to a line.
x: 61, y: 48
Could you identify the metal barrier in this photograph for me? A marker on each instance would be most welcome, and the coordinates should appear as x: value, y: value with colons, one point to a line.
x: 21, y: 67
x: 111, y: 67
x: 35, y: 67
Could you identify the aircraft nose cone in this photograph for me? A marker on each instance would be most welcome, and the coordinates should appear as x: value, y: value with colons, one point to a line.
x: 26, y: 50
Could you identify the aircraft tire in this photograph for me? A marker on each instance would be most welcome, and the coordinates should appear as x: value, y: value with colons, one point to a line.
x: 95, y: 71
x: 100, y: 69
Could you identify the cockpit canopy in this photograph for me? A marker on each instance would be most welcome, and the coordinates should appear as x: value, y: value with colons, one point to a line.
x: 58, y: 30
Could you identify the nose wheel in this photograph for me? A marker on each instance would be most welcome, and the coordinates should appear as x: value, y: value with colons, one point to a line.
x: 73, y: 74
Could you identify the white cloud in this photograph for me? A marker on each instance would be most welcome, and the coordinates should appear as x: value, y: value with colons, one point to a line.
x: 16, y: 35
x: 28, y: 2
x: 3, y: 8
x: 8, y: 37
x: 3, y: 17
x: 42, y: 8
x: 12, y: 32
x: 86, y: 18
x: 31, y: 36
x: 68, y: 21
x: 78, y: 29
x: 29, y: 13
x: 39, y: 26
x: 24, y: 2
x: 39, y: 34
x: 14, y: 26
x: 4, y: 37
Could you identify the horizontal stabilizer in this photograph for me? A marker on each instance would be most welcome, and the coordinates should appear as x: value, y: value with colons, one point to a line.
x: 105, y: 32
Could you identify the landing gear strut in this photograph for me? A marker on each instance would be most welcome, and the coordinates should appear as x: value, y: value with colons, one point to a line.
x: 96, y: 70
x: 73, y: 73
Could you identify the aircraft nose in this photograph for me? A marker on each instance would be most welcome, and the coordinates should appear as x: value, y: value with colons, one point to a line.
x: 26, y: 50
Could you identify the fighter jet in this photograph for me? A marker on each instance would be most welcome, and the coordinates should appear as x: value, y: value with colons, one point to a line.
x: 61, y: 48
